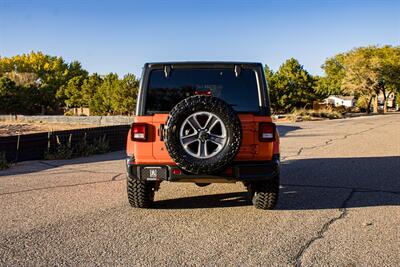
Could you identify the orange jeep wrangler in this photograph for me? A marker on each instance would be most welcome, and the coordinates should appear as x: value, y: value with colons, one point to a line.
x: 203, y: 122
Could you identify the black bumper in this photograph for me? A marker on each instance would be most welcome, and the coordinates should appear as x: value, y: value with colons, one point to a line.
x: 239, y: 171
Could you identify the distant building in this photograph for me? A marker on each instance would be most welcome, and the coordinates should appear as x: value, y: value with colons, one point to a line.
x: 390, y: 100
x: 339, y: 100
x: 78, y: 111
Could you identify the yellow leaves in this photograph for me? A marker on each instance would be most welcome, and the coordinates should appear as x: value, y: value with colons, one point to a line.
x: 46, y: 66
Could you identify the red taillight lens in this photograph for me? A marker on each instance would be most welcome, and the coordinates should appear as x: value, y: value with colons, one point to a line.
x: 203, y: 92
x: 139, y: 132
x: 176, y: 172
x: 267, y: 132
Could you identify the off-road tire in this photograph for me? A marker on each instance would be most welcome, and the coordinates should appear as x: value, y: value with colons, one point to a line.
x: 182, y: 111
x: 140, y: 193
x: 264, y: 194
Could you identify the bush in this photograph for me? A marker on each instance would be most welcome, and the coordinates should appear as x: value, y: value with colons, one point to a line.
x: 82, y: 149
x: 3, y: 161
x: 69, y: 113
x: 62, y: 151
x: 308, y: 114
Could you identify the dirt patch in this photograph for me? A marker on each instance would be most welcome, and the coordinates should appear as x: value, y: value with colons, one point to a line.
x: 8, y: 128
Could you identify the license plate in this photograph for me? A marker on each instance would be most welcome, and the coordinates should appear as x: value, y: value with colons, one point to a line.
x: 154, y: 173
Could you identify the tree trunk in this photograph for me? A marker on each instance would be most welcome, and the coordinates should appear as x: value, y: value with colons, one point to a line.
x: 376, y: 104
x: 369, y: 105
x: 384, y: 102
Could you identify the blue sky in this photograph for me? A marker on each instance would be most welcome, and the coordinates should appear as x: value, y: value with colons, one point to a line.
x: 120, y: 36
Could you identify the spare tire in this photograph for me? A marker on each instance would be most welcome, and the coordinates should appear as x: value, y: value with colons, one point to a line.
x: 202, y: 134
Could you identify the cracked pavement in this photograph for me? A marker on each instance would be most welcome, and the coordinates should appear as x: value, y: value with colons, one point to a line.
x: 339, y: 206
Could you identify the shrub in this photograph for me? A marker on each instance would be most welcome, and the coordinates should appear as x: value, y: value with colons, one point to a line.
x: 82, y: 149
x: 69, y: 113
x: 308, y: 114
x: 3, y: 161
x: 62, y: 151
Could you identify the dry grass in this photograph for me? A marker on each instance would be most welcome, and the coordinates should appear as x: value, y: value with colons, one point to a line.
x: 8, y: 128
x: 310, y: 114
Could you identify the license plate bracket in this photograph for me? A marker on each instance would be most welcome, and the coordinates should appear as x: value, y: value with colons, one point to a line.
x: 154, y: 173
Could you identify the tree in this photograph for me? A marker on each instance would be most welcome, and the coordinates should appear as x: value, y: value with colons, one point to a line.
x: 370, y: 71
x: 89, y: 88
x: 71, y: 93
x: 102, y: 103
x: 50, y: 74
x: 331, y: 82
x: 124, y: 99
x: 290, y: 87
x: 388, y: 69
x: 8, y: 95
x: 17, y: 98
x: 360, y: 80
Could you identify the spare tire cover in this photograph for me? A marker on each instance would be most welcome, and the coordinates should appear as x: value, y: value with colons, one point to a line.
x: 203, y: 134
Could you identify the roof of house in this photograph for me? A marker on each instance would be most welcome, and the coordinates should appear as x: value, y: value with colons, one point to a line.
x: 343, y: 97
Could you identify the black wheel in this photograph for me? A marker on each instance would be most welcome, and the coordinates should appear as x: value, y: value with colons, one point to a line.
x: 264, y: 194
x: 202, y: 134
x: 140, y: 193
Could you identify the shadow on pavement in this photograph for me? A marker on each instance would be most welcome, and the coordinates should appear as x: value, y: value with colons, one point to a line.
x: 284, y: 129
x: 41, y: 165
x: 206, y: 201
x: 326, y: 183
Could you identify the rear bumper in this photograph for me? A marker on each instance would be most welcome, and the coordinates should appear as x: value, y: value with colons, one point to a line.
x: 237, y: 171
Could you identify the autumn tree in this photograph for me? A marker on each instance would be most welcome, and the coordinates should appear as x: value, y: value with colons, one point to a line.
x: 388, y: 69
x: 331, y: 82
x: 370, y: 71
x: 46, y: 73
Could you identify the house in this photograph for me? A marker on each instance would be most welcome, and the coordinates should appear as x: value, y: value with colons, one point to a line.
x: 339, y: 100
x: 390, y: 100
x: 77, y: 111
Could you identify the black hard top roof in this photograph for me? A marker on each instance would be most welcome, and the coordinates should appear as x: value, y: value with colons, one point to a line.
x: 202, y: 64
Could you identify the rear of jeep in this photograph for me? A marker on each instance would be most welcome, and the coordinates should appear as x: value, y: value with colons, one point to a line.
x: 203, y: 122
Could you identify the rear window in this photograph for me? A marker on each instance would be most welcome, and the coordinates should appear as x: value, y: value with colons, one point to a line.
x: 241, y: 92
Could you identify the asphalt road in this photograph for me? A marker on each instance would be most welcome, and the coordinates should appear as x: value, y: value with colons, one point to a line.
x: 339, y: 206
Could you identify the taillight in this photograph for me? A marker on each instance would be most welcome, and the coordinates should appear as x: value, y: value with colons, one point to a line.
x: 139, y: 132
x: 267, y: 132
x: 176, y: 172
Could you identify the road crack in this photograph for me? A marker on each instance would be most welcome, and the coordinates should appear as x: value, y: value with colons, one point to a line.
x: 113, y: 179
x: 324, y: 229
x: 331, y: 141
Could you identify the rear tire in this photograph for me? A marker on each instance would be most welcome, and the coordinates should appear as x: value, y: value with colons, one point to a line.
x: 265, y: 194
x: 140, y: 193
x: 218, y: 108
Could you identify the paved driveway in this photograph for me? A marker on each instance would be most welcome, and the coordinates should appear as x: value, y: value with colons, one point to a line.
x: 339, y: 205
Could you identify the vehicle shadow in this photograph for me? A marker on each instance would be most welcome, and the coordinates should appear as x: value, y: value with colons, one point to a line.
x: 234, y: 199
x: 284, y: 129
x: 325, y: 183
